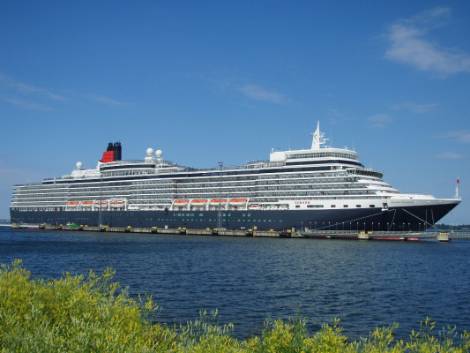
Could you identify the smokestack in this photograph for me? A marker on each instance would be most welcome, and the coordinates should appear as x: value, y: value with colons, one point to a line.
x: 117, y: 151
x: 109, y: 155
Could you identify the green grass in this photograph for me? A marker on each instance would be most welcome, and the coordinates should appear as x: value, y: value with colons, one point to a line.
x: 93, y: 314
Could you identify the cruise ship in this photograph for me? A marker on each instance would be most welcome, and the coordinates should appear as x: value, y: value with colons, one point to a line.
x: 317, y: 188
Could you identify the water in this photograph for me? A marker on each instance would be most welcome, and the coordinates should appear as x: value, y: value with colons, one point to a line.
x: 364, y: 283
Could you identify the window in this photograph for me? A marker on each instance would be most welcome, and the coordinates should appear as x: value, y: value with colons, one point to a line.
x: 345, y: 206
x: 372, y: 206
x: 358, y: 206
x: 333, y: 206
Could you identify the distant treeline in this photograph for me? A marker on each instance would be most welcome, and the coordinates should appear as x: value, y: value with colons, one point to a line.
x: 453, y: 227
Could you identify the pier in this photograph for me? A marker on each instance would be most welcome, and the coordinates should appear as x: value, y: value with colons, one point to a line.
x: 430, y: 235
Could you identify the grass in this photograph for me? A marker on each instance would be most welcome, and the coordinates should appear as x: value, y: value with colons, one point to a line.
x: 93, y: 314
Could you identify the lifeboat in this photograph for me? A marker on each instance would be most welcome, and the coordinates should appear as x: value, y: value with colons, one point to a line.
x: 72, y: 203
x: 254, y: 207
x: 101, y: 203
x: 238, y: 201
x: 117, y: 203
x: 86, y: 203
x: 218, y: 201
x: 199, y: 201
x: 181, y: 202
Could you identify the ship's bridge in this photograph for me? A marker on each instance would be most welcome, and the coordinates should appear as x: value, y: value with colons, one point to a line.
x: 316, y: 154
x: 309, y: 154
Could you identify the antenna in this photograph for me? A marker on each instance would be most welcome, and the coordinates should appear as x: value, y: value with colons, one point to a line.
x: 457, y: 188
x: 318, y: 138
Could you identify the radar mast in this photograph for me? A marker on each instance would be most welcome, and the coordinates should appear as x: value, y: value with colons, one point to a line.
x: 318, y: 138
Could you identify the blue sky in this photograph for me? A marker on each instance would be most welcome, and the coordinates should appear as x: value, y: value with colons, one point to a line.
x: 218, y: 81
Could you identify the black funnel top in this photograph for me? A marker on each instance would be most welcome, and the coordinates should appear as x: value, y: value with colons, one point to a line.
x: 117, y: 151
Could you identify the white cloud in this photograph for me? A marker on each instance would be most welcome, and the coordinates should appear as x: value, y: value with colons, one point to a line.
x: 106, y: 100
x: 380, y: 120
x: 31, y: 97
x: 408, y: 44
x: 30, y: 90
x: 25, y: 104
x: 462, y: 136
x: 259, y: 93
x: 416, y: 108
x: 449, y: 156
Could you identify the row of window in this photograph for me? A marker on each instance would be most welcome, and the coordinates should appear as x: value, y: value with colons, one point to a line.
x: 158, y: 203
x: 110, y: 191
x: 160, y: 190
x: 260, y: 176
x: 207, y: 194
x: 192, y: 182
x: 332, y: 206
x: 180, y: 185
x: 128, y: 172
x: 323, y: 155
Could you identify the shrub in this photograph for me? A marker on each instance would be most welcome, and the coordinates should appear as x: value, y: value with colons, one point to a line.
x: 93, y: 314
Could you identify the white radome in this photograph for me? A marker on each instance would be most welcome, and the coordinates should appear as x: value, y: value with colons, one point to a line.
x: 79, y: 165
x: 149, y: 151
x: 158, y: 153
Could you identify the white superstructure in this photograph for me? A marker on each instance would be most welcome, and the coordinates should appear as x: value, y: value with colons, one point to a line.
x: 319, y: 177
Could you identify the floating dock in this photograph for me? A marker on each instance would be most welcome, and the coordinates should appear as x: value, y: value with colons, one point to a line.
x: 441, y: 236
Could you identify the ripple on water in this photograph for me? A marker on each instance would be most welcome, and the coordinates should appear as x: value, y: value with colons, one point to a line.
x: 365, y: 284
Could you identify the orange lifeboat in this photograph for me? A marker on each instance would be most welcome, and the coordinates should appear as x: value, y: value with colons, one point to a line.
x: 117, y: 203
x: 87, y: 203
x: 72, y: 203
x: 181, y: 202
x: 237, y: 201
x: 198, y: 201
x: 218, y: 201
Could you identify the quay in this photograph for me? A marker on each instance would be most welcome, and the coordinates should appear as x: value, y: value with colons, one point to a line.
x: 436, y: 235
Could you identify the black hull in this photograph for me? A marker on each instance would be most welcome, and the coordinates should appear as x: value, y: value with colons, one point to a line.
x: 416, y: 218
